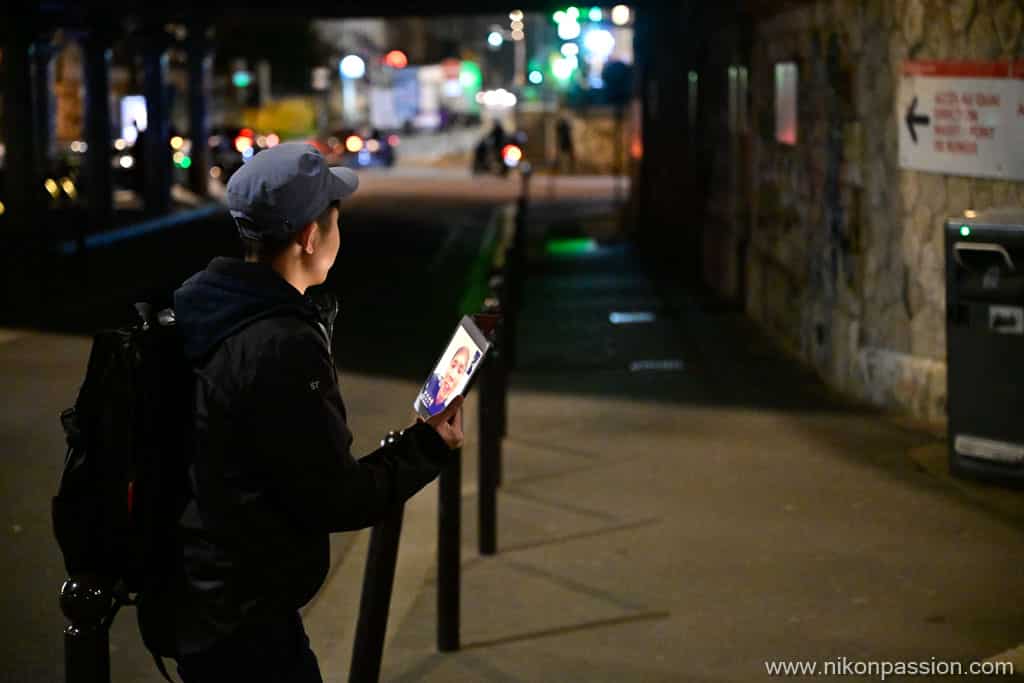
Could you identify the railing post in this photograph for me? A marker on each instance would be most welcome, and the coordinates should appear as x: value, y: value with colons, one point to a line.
x: 508, y: 296
x: 502, y: 381
x: 449, y: 538
x: 496, y: 304
x: 86, y: 604
x: 375, y: 601
x: 490, y: 455
x: 520, y: 242
x: 515, y: 273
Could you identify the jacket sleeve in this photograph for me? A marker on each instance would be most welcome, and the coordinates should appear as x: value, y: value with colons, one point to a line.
x: 305, y: 443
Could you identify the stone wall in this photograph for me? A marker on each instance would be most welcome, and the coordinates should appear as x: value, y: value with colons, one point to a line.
x: 845, y: 261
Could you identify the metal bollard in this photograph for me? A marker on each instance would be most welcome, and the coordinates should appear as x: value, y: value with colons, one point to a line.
x: 501, y: 398
x: 498, y: 285
x: 510, y: 309
x: 375, y: 602
x: 502, y: 376
x: 449, y: 539
x: 86, y: 604
x: 514, y: 284
x: 520, y: 241
x: 490, y: 456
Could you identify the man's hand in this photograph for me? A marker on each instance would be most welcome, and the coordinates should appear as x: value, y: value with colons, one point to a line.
x: 448, y: 424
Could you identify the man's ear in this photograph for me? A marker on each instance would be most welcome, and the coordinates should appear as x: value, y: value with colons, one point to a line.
x: 305, y: 238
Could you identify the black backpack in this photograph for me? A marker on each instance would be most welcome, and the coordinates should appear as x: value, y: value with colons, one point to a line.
x: 125, y: 478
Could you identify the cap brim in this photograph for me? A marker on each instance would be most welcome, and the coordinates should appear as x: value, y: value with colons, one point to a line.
x: 344, y: 183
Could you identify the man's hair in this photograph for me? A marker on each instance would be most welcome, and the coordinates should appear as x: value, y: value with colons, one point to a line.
x: 266, y: 250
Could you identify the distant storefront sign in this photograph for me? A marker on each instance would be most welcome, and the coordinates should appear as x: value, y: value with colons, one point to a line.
x: 962, y: 118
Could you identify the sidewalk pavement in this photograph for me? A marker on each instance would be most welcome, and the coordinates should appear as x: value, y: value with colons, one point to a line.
x: 681, y: 503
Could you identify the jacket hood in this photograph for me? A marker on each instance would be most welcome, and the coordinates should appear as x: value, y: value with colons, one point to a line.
x: 215, y: 303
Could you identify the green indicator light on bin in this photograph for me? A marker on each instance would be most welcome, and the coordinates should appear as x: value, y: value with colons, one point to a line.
x: 965, y: 230
x: 571, y: 246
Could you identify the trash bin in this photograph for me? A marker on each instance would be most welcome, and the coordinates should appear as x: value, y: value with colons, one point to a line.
x: 985, y: 344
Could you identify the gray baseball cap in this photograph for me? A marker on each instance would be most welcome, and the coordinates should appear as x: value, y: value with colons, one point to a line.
x: 283, y: 189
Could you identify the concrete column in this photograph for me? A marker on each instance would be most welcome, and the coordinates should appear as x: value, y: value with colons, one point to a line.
x: 642, y: 191
x: 666, y: 225
x: 157, y: 150
x: 199, y: 64
x: 42, y: 52
x: 99, y: 177
x: 23, y: 192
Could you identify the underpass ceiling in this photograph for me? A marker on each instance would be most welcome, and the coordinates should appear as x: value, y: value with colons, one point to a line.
x: 87, y: 12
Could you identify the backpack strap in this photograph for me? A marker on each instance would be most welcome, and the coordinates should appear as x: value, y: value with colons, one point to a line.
x: 162, y: 668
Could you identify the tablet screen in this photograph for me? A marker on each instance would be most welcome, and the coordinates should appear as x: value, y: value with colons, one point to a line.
x: 454, y: 370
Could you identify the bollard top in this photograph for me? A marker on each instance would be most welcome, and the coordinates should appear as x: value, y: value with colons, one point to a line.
x: 84, y: 600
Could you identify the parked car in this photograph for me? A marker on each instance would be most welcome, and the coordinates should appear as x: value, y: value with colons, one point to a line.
x: 360, y: 148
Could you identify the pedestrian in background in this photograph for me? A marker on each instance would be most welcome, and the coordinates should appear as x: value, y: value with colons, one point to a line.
x: 566, y: 151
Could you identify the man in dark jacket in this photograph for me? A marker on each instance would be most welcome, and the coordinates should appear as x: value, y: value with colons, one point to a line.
x: 271, y: 471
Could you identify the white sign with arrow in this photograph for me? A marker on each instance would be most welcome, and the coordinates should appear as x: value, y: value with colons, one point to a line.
x: 962, y: 118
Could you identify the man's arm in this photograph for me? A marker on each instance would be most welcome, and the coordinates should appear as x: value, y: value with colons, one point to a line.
x: 307, y: 445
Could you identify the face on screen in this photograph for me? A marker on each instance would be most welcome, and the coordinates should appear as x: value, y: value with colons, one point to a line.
x: 454, y: 373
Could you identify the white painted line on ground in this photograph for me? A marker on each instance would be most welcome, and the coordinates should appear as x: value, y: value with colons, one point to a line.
x: 670, y: 365
x: 631, y: 317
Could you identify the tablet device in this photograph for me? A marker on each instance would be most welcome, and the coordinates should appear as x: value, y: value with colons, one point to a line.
x: 454, y: 371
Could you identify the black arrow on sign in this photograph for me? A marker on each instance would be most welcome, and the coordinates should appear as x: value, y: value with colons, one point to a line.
x: 915, y: 119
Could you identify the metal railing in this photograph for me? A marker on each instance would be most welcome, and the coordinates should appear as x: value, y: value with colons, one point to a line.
x: 505, y: 298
